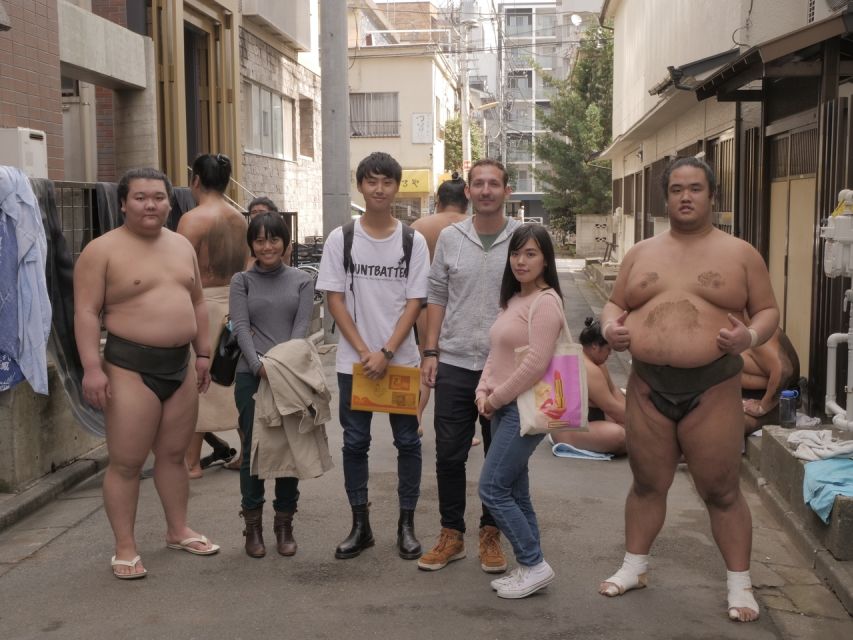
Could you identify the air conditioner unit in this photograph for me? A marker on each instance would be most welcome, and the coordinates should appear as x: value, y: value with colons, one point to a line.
x: 25, y: 149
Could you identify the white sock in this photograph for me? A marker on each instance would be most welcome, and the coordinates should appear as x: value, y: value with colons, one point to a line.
x: 739, y: 586
x: 631, y: 575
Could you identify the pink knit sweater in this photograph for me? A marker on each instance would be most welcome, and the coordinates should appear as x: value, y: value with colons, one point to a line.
x: 501, y: 380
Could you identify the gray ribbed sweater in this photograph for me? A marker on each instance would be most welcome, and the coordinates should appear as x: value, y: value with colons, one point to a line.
x: 268, y: 308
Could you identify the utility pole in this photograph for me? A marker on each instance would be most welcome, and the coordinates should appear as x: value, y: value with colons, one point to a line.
x: 335, y: 118
x: 500, y: 81
x: 466, y: 100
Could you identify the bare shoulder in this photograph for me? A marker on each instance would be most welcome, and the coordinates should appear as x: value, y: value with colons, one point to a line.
x: 735, y: 247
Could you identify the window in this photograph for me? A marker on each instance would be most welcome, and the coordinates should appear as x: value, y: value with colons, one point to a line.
x: 306, y: 127
x: 269, y: 124
x: 519, y: 22
x: 374, y: 115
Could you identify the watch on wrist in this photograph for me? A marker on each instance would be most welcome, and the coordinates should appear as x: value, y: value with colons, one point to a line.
x: 389, y: 355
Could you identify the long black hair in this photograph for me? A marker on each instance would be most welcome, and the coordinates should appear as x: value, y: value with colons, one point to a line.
x: 509, y: 285
x: 591, y: 334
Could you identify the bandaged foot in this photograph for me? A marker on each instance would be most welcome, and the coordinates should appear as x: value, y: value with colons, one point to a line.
x: 631, y: 575
x: 742, y: 604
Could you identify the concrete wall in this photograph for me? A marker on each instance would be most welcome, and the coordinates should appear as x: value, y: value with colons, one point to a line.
x: 294, y: 185
x: 29, y: 75
x: 591, y: 235
x: 37, y: 434
x: 135, y: 120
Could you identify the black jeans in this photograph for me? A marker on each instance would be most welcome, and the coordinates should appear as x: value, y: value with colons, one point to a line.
x: 455, y: 424
x: 252, y: 487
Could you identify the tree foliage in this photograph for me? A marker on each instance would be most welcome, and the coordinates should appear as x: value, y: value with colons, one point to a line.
x: 453, y: 143
x: 579, y: 125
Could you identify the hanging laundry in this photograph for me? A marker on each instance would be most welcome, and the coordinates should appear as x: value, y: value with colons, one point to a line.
x: 10, y: 372
x: 18, y: 204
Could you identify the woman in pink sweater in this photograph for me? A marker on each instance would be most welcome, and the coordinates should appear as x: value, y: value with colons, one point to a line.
x: 530, y: 272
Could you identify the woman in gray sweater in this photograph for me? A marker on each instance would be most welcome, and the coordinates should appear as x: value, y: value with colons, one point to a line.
x: 270, y: 303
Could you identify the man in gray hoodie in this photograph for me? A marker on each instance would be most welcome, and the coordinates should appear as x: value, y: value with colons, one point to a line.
x: 464, y: 288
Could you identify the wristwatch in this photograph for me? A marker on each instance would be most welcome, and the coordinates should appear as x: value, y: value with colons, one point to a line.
x: 389, y: 355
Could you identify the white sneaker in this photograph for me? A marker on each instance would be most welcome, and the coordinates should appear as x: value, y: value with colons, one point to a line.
x: 526, y: 581
x: 508, y: 578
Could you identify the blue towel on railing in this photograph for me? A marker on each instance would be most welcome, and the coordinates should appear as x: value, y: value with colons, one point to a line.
x: 825, y: 479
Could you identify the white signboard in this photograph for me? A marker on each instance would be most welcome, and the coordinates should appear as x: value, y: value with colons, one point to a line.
x: 422, y: 128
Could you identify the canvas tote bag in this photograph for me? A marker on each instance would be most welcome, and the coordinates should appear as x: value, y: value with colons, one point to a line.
x: 558, y: 401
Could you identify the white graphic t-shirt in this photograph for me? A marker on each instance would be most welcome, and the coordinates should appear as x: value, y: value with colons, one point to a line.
x: 380, y: 289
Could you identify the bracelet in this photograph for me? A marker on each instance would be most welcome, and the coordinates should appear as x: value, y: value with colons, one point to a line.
x: 201, y: 355
x: 753, y: 337
x: 430, y: 353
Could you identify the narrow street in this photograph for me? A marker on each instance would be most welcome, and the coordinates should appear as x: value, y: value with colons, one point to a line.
x: 56, y: 582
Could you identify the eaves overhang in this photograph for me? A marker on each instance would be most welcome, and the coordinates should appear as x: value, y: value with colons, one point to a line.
x: 771, y: 58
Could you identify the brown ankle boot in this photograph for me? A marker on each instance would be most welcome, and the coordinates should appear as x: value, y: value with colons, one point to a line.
x: 253, y: 518
x: 283, y: 528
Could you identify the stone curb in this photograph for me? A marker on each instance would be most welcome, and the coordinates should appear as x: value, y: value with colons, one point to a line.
x: 824, y: 564
x: 49, y: 487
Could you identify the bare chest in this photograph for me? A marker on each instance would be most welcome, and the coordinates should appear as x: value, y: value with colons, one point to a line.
x: 709, y: 278
x: 135, y: 274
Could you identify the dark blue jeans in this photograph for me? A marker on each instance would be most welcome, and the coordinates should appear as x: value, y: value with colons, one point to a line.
x: 356, y: 426
x: 505, y: 485
x: 252, y: 487
x: 455, y: 424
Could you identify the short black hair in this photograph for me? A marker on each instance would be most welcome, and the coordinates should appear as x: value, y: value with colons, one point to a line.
x: 451, y: 193
x: 262, y: 200
x: 267, y: 225
x: 379, y: 163
x: 689, y: 161
x: 142, y: 173
x: 213, y: 171
x: 488, y: 162
x: 591, y: 333
x: 509, y: 285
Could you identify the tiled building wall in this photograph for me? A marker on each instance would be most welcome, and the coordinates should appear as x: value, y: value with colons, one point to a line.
x: 114, y: 11
x: 293, y: 185
x: 30, y: 93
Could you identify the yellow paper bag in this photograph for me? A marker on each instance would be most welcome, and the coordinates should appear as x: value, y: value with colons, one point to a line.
x: 396, y: 392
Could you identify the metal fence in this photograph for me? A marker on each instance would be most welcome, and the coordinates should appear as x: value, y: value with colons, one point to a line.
x: 76, y: 205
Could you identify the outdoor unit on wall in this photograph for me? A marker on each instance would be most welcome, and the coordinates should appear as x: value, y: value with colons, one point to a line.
x: 25, y: 149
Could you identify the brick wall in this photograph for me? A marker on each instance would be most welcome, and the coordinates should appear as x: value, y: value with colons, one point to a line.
x: 292, y: 185
x: 30, y: 93
x: 115, y: 11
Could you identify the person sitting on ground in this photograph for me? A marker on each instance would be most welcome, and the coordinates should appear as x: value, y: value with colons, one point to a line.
x: 768, y: 369
x: 606, y: 403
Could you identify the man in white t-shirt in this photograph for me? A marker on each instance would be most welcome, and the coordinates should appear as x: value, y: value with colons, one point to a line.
x: 375, y: 304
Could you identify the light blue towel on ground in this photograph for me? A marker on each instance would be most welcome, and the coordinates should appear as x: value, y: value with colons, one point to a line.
x: 825, y: 479
x: 563, y: 450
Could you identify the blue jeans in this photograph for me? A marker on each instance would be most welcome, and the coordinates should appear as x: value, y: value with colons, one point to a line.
x: 356, y: 425
x: 505, y: 485
x: 252, y: 487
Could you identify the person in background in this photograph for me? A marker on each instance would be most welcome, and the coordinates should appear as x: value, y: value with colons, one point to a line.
x: 768, y: 369
x: 606, y: 414
x: 530, y: 276
x: 451, y: 205
x: 217, y: 232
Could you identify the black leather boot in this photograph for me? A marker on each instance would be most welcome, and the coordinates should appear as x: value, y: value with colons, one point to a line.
x: 407, y: 543
x: 283, y: 527
x: 360, y: 537
x: 254, y: 532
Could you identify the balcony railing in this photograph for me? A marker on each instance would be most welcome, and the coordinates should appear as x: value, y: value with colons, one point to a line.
x: 374, y: 128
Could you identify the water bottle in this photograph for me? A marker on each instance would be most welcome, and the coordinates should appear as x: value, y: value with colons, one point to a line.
x: 788, y: 408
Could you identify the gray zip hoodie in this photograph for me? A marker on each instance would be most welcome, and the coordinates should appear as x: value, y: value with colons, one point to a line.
x: 466, y: 280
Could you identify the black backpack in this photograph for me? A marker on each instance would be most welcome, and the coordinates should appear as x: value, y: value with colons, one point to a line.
x: 349, y: 231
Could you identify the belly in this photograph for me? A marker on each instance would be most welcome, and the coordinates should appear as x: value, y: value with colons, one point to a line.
x: 678, y: 329
x: 164, y: 319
